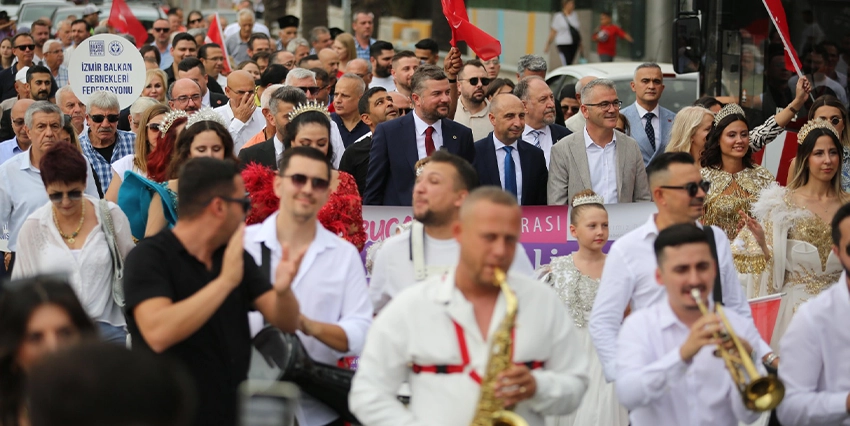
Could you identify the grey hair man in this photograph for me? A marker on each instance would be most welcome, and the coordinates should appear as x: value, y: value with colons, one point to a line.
x: 280, y: 102
x: 103, y: 144
x: 540, y: 128
x: 71, y: 106
x: 54, y: 57
x: 362, y: 24
x: 320, y: 38
x: 349, y: 89
x: 528, y: 65
x: 237, y: 43
x: 299, y: 47
x: 576, y: 122
x: 136, y: 110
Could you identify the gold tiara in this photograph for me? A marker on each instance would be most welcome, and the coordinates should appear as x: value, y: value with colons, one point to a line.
x: 170, y: 118
x: 729, y: 109
x: 817, y: 123
x: 588, y: 199
x: 205, y: 114
x: 309, y: 106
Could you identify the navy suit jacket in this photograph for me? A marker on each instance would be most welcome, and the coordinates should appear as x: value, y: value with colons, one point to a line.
x: 394, y: 154
x: 558, y: 132
x: 532, y: 163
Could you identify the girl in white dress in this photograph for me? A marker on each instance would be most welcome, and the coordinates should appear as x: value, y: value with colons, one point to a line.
x: 575, y: 278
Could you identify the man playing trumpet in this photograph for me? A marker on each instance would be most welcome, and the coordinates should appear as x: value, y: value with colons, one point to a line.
x: 667, y: 371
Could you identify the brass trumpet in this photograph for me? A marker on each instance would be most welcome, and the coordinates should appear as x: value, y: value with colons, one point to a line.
x: 760, y: 393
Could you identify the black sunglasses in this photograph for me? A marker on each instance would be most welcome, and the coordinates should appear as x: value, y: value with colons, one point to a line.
x: 474, y: 81
x: 404, y: 111
x: 154, y: 126
x: 98, y: 118
x: 313, y: 89
x: 692, y: 187
x: 25, y: 47
x: 57, y: 197
x: 572, y: 109
x: 195, y: 21
x: 161, y: 30
x: 301, y: 180
x: 245, y: 203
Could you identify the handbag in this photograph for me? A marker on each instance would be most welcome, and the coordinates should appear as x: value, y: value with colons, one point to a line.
x: 117, y: 259
x: 573, y: 32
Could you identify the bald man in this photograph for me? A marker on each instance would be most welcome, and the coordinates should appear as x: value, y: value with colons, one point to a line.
x: 503, y: 159
x: 402, y: 103
x: 577, y: 121
x: 330, y: 61
x: 285, y: 58
x: 362, y: 68
x: 185, y: 94
x: 241, y: 114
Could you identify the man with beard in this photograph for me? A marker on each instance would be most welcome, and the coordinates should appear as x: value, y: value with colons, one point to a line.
x: 103, y: 143
x: 650, y: 122
x: 72, y: 107
x: 21, y: 141
x: 428, y: 51
x: 428, y: 247
x: 540, y: 128
x: 185, y: 94
x: 398, y: 144
x: 381, y: 58
x: 37, y: 87
x: 474, y: 106
x: 80, y: 30
x: 503, y: 160
x: 375, y: 107
x: 404, y: 65
x: 349, y: 89
x: 23, y: 47
x: 599, y: 158
x: 40, y: 31
x: 679, y: 193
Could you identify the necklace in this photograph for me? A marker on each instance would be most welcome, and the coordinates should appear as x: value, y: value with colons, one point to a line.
x: 72, y: 238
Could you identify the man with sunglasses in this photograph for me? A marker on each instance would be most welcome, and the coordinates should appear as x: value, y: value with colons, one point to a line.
x: 242, y: 115
x: 568, y: 101
x: 629, y: 279
x: 162, y: 40
x: 474, y: 108
x: 103, y: 143
x: 23, y: 48
x: 330, y: 285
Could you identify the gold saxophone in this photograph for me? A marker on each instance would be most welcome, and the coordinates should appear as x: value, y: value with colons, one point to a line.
x: 491, y: 411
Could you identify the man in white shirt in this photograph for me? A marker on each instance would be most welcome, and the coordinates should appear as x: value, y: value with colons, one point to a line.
x: 244, y: 118
x: 816, y: 348
x: 381, y: 58
x: 679, y: 193
x: 429, y: 248
x: 474, y: 108
x: 540, y: 128
x: 438, y: 335
x: 330, y: 285
x: 669, y: 374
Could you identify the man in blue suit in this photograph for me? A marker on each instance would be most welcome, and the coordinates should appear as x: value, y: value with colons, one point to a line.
x: 398, y: 144
x: 650, y: 122
x: 503, y: 159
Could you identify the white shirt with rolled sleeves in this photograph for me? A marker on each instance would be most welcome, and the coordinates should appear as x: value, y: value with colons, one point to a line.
x: 418, y: 327
x: 241, y: 131
x: 330, y: 287
x: 816, y: 360
x: 628, y: 278
x: 659, y: 388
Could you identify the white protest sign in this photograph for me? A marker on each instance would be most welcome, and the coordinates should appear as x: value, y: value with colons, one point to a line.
x: 107, y: 62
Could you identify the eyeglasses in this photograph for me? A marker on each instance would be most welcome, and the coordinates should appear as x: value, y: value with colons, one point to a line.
x: 692, y: 187
x: 242, y: 92
x: 184, y: 99
x: 572, y: 109
x: 300, y: 180
x: 245, y: 203
x: 26, y: 47
x: 312, y: 89
x: 161, y: 30
x: 404, y: 111
x: 195, y: 21
x: 216, y: 59
x: 57, y: 197
x: 834, y: 119
x: 474, y: 81
x: 605, y: 105
x: 154, y: 126
x: 98, y: 118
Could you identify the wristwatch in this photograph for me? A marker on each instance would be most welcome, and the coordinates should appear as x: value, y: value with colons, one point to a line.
x: 768, y: 362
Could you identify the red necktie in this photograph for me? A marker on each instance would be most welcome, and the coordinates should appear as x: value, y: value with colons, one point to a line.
x: 429, y: 141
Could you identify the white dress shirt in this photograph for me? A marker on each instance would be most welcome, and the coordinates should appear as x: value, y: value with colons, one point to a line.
x: 437, y: 136
x: 331, y: 288
x: 419, y: 327
x: 22, y: 192
x: 501, y: 153
x: 278, y: 147
x: 393, y: 271
x: 603, y: 167
x: 660, y: 389
x: 545, y: 140
x: 815, y: 361
x: 336, y: 141
x: 241, y: 131
x: 126, y: 164
x: 656, y: 123
x: 205, y: 101
x: 630, y: 281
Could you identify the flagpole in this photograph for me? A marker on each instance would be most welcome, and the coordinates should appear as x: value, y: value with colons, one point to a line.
x: 787, y: 46
x: 223, y: 42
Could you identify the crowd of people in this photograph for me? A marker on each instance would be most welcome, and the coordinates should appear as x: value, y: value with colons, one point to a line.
x: 220, y: 204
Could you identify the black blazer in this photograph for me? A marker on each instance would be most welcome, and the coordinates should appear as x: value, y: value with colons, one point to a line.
x: 171, y: 77
x: 261, y: 153
x: 213, y: 86
x: 394, y: 154
x: 217, y: 99
x: 558, y: 133
x: 355, y: 161
x: 6, y: 130
x: 531, y: 161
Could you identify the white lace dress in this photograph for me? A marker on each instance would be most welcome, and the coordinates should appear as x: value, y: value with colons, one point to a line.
x: 600, y: 405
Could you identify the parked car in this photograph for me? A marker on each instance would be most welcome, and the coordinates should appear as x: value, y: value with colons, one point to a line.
x: 32, y: 10
x: 146, y: 13
x: 680, y: 90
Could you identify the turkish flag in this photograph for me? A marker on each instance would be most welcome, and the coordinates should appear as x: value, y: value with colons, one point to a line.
x: 777, y: 15
x: 122, y: 19
x: 765, y: 310
x: 214, y: 35
x: 484, y: 45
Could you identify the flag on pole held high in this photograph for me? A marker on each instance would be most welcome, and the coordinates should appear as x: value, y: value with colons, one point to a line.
x: 484, y: 45
x: 215, y: 35
x: 777, y: 15
x: 122, y: 19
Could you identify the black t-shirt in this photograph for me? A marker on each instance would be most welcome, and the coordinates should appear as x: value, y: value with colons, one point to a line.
x: 106, y: 152
x: 218, y: 355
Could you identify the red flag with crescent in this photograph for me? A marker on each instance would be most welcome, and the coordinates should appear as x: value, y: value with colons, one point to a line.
x: 484, y: 45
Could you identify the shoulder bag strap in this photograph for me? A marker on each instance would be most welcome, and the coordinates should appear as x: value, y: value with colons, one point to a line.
x: 718, y: 288
x: 265, y: 265
x: 117, y: 260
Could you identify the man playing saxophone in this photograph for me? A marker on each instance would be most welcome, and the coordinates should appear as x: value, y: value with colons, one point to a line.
x: 437, y: 335
x: 667, y: 371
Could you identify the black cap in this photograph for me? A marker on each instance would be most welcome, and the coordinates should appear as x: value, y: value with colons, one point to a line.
x: 335, y: 31
x: 288, y: 21
x: 4, y: 14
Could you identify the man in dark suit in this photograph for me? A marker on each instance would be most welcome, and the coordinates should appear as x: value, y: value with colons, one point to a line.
x: 183, y: 46
x: 375, y: 107
x: 398, y: 144
x: 503, y: 159
x: 193, y: 69
x: 281, y: 103
x: 540, y: 128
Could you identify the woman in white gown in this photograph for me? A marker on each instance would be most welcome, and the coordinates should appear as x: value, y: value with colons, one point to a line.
x: 789, y: 237
x: 575, y: 277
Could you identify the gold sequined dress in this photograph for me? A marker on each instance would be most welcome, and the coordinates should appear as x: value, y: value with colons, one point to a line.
x: 802, y: 263
x: 599, y: 405
x: 731, y: 192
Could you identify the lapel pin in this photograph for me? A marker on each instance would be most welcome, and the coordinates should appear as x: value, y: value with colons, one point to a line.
x: 454, y: 136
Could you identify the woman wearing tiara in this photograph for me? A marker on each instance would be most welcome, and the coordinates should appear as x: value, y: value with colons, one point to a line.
x: 575, y: 278
x: 790, y: 234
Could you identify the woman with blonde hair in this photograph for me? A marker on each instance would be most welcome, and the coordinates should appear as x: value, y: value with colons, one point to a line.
x: 344, y: 47
x: 146, y: 139
x: 156, y: 84
x: 690, y: 131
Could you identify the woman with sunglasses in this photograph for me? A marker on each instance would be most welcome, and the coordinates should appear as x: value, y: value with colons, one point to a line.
x: 146, y: 138
x: 310, y: 125
x: 69, y: 235
x: 38, y: 316
x: 789, y: 240
x: 829, y: 108
x: 727, y: 162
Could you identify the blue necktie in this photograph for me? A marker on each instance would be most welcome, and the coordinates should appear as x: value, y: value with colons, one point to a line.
x: 650, y: 131
x: 510, y: 174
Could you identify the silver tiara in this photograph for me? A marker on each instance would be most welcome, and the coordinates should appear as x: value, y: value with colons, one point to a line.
x: 206, y: 114
x: 170, y: 118
x: 817, y: 123
x: 729, y: 109
x: 309, y: 106
x: 588, y: 199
